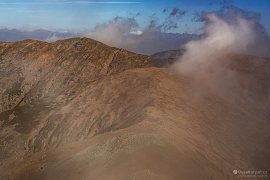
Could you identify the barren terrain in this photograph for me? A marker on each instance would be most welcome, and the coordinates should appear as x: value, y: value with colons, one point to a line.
x: 78, y: 109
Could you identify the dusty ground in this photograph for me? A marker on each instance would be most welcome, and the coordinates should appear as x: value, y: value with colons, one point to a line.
x: 78, y: 109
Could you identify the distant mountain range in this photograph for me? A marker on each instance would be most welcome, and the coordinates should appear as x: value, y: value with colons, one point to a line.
x: 11, y: 35
x: 170, y: 54
x: 166, y: 58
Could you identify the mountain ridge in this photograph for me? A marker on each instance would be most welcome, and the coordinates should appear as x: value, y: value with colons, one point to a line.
x: 77, y: 108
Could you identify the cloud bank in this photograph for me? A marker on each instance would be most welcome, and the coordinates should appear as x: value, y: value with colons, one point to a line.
x: 227, y: 35
x: 125, y: 32
x: 221, y: 38
x: 228, y: 31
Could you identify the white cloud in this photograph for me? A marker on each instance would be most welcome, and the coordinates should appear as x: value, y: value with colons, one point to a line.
x: 221, y: 38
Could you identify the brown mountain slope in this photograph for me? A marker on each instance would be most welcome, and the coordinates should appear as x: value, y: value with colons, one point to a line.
x: 78, y: 109
x: 65, y: 62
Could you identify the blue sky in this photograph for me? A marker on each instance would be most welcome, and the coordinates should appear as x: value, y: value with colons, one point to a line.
x: 82, y: 15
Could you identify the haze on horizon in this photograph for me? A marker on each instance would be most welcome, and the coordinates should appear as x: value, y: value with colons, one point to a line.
x: 144, y: 26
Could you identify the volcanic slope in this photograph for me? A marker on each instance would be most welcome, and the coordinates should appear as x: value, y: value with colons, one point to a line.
x: 78, y: 109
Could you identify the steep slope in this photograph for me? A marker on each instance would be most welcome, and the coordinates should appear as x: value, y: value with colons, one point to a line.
x: 78, y: 109
x: 65, y: 62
